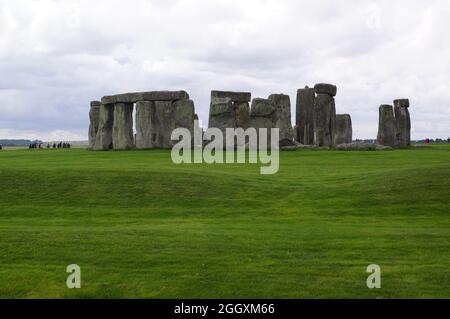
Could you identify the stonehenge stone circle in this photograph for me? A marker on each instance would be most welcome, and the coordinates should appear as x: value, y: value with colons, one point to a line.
x: 94, y: 119
x: 386, y: 126
x: 324, y: 115
x: 402, y: 123
x: 158, y: 113
x: 344, y: 131
x: 305, y: 116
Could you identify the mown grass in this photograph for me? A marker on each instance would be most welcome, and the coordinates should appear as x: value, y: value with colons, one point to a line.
x: 142, y: 227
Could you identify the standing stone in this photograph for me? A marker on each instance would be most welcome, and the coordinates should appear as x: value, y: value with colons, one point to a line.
x: 344, y: 131
x: 144, y: 111
x: 262, y: 116
x: 229, y: 110
x: 123, y: 126
x: 222, y: 114
x: 324, y: 120
x: 305, y: 116
x: 185, y: 115
x: 402, y: 123
x: 94, y: 118
x: 163, y: 123
x: 386, y: 126
x: 104, y: 140
x: 242, y: 110
x: 282, y: 118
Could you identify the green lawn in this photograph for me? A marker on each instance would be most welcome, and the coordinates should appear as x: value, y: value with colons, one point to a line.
x: 140, y: 226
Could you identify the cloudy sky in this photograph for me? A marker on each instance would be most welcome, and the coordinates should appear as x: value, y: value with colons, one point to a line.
x: 58, y: 55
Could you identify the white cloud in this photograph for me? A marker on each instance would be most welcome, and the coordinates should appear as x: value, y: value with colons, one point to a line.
x: 56, y: 56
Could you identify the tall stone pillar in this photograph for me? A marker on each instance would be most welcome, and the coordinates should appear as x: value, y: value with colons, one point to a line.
x: 402, y: 123
x: 386, y: 127
x: 324, y: 115
x: 104, y: 140
x: 94, y: 119
x: 144, y: 112
x: 163, y: 123
x: 282, y: 118
x: 123, y: 126
x: 344, y: 130
x: 305, y: 116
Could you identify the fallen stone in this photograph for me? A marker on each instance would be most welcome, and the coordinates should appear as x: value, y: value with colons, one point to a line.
x: 123, y: 126
x: 305, y: 116
x: 94, y: 119
x: 103, y: 140
x: 386, y: 126
x: 233, y: 96
x: 323, y: 88
x: 344, y: 131
x: 361, y: 146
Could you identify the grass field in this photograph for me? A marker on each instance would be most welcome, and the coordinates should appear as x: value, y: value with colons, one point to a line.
x: 140, y: 226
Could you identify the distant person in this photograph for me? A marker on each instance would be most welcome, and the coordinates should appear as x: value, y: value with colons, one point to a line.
x: 48, y: 145
x: 1, y: 147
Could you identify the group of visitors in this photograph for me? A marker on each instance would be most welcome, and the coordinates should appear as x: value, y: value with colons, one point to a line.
x: 54, y: 145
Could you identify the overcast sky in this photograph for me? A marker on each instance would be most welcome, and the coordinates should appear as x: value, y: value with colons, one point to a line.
x: 57, y: 56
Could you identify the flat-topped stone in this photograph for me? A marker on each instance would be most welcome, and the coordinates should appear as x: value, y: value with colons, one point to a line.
x: 401, y: 103
x: 233, y: 96
x: 324, y: 88
x: 145, y: 96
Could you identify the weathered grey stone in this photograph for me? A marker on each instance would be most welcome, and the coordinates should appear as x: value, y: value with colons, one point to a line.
x: 145, y: 96
x: 221, y: 114
x: 163, y: 123
x: 401, y: 103
x: 305, y: 116
x: 323, y: 88
x: 144, y: 112
x: 344, y: 131
x: 386, y: 126
x: 402, y: 126
x: 282, y: 118
x: 242, y: 110
x: 94, y: 119
x: 221, y: 106
x: 262, y: 108
x: 324, y: 120
x: 233, y: 96
x: 262, y: 115
x: 184, y: 114
x: 103, y: 140
x: 361, y: 146
x: 123, y: 126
